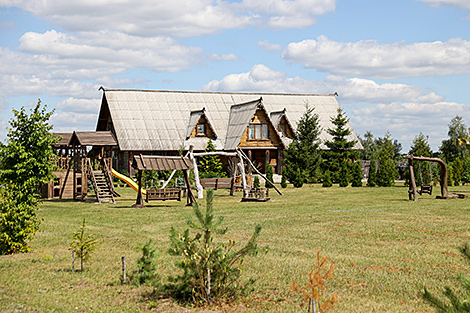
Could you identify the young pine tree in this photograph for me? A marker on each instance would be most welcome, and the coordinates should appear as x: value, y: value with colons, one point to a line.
x: 343, y: 175
x: 298, y: 180
x: 256, y: 183
x: 303, y: 153
x: 372, y: 174
x: 357, y: 175
x: 269, y: 175
x: 283, y: 181
x: 211, y: 166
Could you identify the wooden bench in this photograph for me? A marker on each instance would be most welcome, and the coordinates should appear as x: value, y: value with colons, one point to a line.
x: 256, y: 194
x: 163, y: 194
x: 425, y: 189
x: 217, y: 183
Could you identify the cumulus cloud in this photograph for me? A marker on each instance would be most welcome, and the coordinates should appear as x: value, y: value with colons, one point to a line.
x: 399, y: 108
x: 368, y: 58
x: 177, y: 18
x: 459, y: 3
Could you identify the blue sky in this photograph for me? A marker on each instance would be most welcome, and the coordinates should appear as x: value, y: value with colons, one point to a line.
x: 400, y: 66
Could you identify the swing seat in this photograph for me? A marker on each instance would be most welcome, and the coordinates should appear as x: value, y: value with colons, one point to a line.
x: 425, y: 189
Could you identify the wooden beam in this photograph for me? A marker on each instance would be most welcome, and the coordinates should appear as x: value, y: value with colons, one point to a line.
x: 443, y: 181
x: 197, y: 182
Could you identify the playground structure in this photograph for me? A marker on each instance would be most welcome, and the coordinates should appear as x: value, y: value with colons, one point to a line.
x: 413, y: 191
x: 82, y: 157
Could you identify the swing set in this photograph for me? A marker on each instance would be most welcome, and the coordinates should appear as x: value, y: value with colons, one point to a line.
x: 413, y: 191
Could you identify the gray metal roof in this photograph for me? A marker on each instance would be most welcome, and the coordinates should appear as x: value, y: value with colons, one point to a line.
x: 156, y: 120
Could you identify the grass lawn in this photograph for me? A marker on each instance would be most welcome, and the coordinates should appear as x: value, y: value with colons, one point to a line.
x: 384, y: 247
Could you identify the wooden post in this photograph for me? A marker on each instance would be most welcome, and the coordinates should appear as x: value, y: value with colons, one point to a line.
x: 197, y: 182
x: 234, y: 174
x: 412, y: 180
x: 123, y: 259
x: 73, y: 261
x: 443, y: 182
x: 139, y: 203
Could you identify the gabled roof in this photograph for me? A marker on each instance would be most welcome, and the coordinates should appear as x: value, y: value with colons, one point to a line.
x: 240, y: 115
x: 194, y: 118
x: 161, y: 163
x: 277, y: 116
x: 157, y: 120
x: 64, y: 141
x: 91, y: 138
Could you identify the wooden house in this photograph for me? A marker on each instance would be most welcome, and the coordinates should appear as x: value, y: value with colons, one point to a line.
x: 164, y: 122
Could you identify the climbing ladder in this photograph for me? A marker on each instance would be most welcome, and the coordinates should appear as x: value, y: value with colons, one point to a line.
x: 101, y: 184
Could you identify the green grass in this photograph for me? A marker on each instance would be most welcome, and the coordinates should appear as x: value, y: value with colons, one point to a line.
x: 384, y: 247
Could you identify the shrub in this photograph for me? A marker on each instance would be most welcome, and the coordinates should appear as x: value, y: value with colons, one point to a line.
x: 298, y: 180
x: 211, y: 269
x: 283, y: 181
x: 327, y: 179
x: 256, y: 183
x: 372, y: 174
x: 357, y: 175
x: 269, y: 175
x: 343, y: 175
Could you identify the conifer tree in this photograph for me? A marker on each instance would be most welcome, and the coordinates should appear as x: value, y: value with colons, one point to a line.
x: 340, y: 146
x: 387, y: 172
x: 256, y: 182
x: 371, y: 180
x: 211, y: 166
x: 303, y: 153
x: 283, y: 181
x: 327, y: 179
x: 269, y: 175
x: 298, y: 180
x: 343, y: 175
x: 420, y: 147
x: 357, y: 175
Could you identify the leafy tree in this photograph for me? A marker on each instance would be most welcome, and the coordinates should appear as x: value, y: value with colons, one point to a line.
x: 357, y: 175
x: 269, y: 175
x: 450, y: 147
x: 340, y: 147
x: 371, y: 180
x: 283, y: 181
x: 211, y: 166
x: 420, y: 147
x: 211, y: 269
x: 327, y: 179
x: 27, y: 162
x: 387, y: 172
x: 83, y: 244
x: 457, y: 170
x: 466, y: 170
x: 303, y: 153
x: 454, y: 303
x: 343, y: 175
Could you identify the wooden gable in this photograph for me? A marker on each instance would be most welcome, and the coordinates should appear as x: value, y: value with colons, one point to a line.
x: 273, y: 140
x: 208, y: 130
x: 284, y: 128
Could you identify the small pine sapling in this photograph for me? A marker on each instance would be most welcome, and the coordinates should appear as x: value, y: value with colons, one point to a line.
x: 269, y: 175
x: 454, y: 304
x: 327, y: 179
x: 83, y: 244
x: 283, y: 181
x: 313, y: 292
x: 211, y: 269
x: 146, y: 267
x: 357, y: 175
x: 256, y: 183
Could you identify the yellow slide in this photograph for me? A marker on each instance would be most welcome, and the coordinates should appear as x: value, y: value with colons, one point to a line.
x: 128, y: 181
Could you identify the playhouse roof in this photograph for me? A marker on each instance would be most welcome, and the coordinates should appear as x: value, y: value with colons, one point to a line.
x: 156, y: 120
x: 93, y: 138
x: 161, y: 163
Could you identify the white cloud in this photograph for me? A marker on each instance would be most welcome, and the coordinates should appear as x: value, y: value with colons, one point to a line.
x: 367, y: 58
x: 78, y: 105
x: 177, y: 18
x: 223, y: 57
x: 402, y: 109
x: 269, y: 46
x: 459, y: 3
x: 70, y: 121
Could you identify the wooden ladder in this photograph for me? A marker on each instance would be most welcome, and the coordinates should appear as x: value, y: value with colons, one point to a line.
x: 101, y: 185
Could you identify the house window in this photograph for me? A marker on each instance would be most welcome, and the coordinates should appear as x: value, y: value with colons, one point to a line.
x: 257, y: 131
x: 201, y: 129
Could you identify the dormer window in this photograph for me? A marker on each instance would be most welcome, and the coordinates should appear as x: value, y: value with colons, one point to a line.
x: 283, y: 129
x: 201, y: 129
x: 258, y: 131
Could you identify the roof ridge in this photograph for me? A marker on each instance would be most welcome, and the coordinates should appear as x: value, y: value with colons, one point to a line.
x: 219, y: 92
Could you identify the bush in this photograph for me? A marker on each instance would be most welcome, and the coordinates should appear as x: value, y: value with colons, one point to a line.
x: 357, y: 175
x: 211, y: 269
x: 327, y: 179
x: 269, y: 175
x: 343, y: 175
x: 256, y: 183
x: 372, y: 174
x: 283, y: 181
x: 298, y: 180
